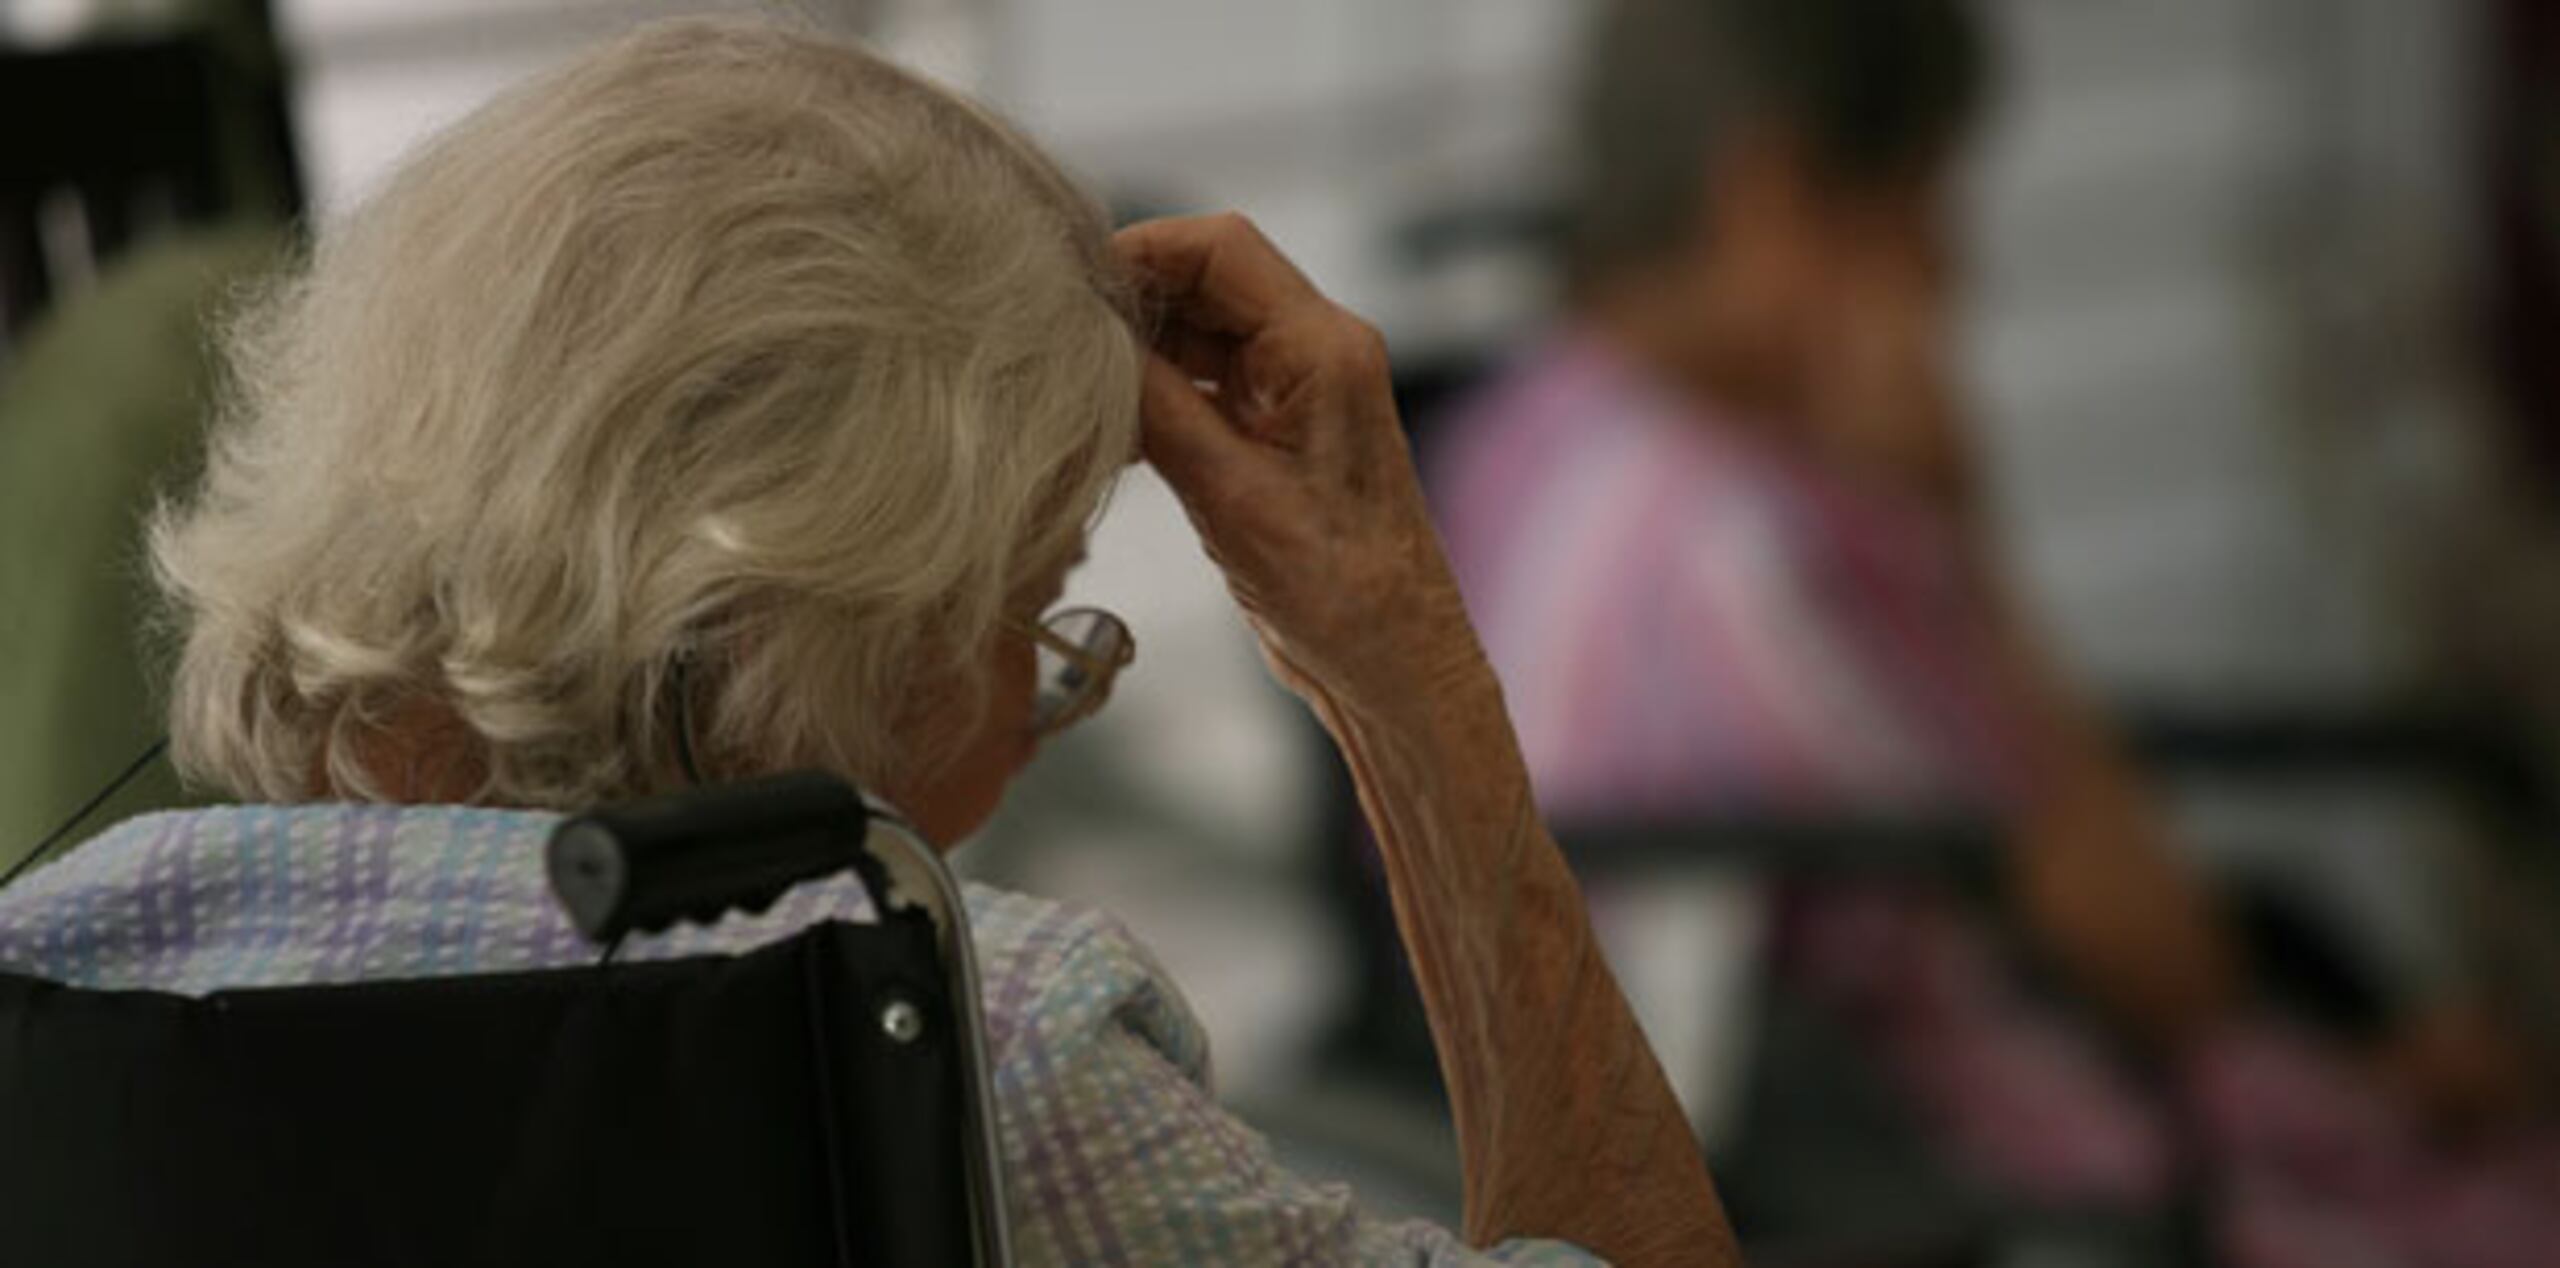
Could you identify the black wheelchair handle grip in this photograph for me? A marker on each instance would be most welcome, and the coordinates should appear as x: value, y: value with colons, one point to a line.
x: 693, y: 856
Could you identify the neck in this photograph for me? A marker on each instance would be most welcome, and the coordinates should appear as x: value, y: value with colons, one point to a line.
x: 424, y: 754
x: 1688, y: 326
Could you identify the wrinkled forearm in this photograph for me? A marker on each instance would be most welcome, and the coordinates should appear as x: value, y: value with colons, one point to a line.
x: 1566, y: 1126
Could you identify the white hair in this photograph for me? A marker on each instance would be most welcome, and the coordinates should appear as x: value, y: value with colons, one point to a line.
x: 728, y: 345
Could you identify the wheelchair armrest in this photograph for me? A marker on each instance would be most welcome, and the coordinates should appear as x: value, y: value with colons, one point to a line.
x: 2288, y: 743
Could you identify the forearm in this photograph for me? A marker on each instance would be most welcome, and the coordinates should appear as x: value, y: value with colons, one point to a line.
x: 2102, y: 883
x: 2100, y: 886
x: 1297, y: 473
x: 1566, y: 1127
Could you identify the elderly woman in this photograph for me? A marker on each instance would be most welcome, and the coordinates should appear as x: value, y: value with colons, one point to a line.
x: 731, y: 402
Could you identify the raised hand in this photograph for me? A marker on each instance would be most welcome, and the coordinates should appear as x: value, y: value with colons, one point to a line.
x: 1268, y: 409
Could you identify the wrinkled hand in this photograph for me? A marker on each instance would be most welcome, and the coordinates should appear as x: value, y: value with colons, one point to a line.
x: 1268, y: 410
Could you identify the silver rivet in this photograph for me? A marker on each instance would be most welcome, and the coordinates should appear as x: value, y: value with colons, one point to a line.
x: 901, y: 1021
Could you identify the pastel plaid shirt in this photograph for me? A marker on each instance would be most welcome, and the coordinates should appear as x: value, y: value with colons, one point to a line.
x: 1116, y: 1151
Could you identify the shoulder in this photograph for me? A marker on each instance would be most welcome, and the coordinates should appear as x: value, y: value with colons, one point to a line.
x: 1573, y: 453
x: 1057, y: 976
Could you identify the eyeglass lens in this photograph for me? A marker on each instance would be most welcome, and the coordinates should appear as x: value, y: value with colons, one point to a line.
x: 1069, y: 683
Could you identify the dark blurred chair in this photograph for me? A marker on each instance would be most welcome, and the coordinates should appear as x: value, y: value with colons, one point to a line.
x: 2469, y: 762
x: 1820, y: 1165
x: 822, y: 1100
x: 157, y: 164
x: 114, y: 139
x: 1819, y: 1143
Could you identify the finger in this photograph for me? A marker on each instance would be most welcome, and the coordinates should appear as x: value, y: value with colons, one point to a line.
x: 1316, y: 383
x: 1206, y: 356
x: 1183, y: 435
x: 1219, y: 271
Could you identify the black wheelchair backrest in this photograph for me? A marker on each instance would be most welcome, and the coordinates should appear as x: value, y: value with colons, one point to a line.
x: 814, y: 1102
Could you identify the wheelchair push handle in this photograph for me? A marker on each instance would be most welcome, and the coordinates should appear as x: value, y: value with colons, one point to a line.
x: 692, y: 856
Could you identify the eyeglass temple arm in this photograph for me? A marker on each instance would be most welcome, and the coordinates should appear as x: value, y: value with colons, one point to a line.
x: 1073, y: 651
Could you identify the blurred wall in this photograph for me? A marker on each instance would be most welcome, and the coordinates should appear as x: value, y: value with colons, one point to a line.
x: 2199, y: 224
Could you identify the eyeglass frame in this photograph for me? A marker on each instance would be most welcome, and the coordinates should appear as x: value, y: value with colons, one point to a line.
x: 1100, y: 673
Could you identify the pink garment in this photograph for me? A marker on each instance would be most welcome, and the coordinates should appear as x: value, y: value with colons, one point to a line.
x: 1684, y: 617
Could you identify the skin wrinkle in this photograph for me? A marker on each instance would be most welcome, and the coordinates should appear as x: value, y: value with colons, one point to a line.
x: 1507, y: 912
x: 1569, y: 1001
x: 1574, y: 1040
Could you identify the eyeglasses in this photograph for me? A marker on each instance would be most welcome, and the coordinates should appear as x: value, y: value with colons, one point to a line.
x: 1081, y: 651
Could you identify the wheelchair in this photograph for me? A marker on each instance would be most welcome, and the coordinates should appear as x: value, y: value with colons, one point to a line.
x: 823, y: 1100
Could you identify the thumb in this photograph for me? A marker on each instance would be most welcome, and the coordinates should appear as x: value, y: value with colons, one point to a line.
x: 1184, y: 436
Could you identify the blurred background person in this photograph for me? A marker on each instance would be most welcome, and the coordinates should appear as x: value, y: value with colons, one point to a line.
x: 1724, y: 532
